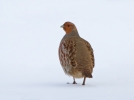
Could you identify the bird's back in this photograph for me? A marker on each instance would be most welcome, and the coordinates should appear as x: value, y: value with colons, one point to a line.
x: 85, y: 56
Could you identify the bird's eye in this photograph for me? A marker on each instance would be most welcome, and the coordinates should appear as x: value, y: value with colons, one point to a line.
x: 68, y: 25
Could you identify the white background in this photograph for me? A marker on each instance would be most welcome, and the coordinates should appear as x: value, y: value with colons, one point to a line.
x: 30, y: 34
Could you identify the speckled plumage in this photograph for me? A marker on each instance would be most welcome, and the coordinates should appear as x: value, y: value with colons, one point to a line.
x: 76, y: 56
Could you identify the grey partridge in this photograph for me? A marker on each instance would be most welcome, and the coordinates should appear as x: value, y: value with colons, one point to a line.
x: 75, y: 54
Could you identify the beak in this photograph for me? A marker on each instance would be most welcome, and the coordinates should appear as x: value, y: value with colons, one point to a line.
x: 62, y: 26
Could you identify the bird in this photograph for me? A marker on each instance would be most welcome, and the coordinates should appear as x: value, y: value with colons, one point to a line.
x: 75, y: 54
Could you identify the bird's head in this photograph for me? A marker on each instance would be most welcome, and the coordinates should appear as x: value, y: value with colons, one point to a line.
x: 69, y: 27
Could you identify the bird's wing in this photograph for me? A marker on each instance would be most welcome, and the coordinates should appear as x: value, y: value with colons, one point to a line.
x: 91, y: 52
x: 67, y: 51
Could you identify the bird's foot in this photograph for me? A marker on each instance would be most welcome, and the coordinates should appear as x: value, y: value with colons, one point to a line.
x: 83, y: 83
x: 74, y: 82
x: 71, y: 83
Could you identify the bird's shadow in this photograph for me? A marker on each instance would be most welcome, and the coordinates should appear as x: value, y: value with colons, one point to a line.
x: 54, y: 85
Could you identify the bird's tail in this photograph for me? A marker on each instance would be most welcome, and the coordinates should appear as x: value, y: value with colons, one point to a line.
x: 87, y: 73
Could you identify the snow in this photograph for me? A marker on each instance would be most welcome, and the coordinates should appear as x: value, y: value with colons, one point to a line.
x: 30, y: 34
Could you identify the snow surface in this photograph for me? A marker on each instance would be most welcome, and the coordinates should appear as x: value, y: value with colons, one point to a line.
x: 30, y: 34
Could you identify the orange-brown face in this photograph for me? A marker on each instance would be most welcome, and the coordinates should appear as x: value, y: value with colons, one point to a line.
x: 68, y: 27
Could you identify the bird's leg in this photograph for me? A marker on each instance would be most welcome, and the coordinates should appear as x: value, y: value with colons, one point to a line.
x: 74, y: 81
x: 84, y: 81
